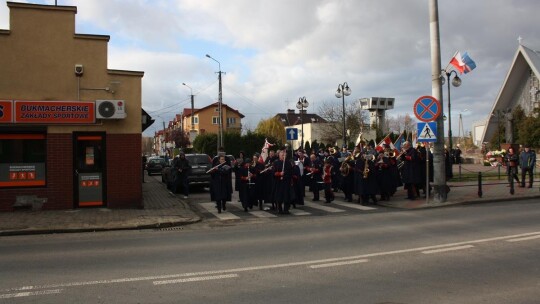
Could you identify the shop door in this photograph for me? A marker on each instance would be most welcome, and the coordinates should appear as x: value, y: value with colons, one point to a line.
x: 89, y: 165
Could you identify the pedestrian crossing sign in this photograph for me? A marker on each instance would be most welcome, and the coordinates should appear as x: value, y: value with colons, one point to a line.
x: 427, y: 131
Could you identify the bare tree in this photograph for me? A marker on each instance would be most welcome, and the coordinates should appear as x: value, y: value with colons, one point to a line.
x: 401, y: 123
x: 355, y: 120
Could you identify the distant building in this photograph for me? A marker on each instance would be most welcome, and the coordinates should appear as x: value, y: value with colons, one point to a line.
x: 313, y: 125
x: 520, y: 87
x: 205, y: 120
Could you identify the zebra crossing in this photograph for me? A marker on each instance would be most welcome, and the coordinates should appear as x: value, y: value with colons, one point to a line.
x: 236, y: 212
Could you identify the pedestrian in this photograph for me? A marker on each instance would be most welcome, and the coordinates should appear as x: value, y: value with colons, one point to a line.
x: 282, y: 169
x: 457, y: 154
x: 512, y: 161
x: 144, y: 160
x: 221, y: 185
x: 181, y: 168
x: 527, y: 162
x: 410, y: 170
x: 327, y: 180
x: 315, y: 176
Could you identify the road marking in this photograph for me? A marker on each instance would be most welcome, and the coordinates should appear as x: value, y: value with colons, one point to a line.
x: 524, y: 239
x: 274, y: 266
x: 338, y: 264
x: 447, y: 249
x: 211, y: 207
x: 354, y: 206
x: 262, y: 214
x: 196, y: 279
x: 325, y: 208
x: 298, y: 212
x: 30, y: 293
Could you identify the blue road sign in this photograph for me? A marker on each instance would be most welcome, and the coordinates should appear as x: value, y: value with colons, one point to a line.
x: 427, y: 132
x: 292, y: 133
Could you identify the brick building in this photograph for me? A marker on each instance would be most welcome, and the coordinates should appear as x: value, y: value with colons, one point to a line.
x: 70, y: 128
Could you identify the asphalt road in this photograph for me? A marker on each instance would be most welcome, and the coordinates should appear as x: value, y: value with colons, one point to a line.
x: 485, y: 253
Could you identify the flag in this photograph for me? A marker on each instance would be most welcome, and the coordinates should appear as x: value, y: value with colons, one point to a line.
x: 386, y: 141
x: 399, y: 142
x: 264, y: 151
x: 462, y: 63
x: 469, y: 63
x: 457, y: 62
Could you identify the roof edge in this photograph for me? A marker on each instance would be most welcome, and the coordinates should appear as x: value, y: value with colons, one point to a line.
x: 42, y: 6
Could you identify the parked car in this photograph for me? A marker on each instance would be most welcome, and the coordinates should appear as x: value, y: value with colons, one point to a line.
x: 155, y: 165
x: 200, y: 164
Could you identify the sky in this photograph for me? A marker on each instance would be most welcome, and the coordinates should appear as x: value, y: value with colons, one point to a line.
x: 275, y: 51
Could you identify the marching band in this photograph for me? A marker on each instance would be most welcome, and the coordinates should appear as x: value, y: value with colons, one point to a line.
x: 280, y: 181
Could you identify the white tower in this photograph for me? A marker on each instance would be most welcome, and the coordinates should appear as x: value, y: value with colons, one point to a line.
x: 377, y: 107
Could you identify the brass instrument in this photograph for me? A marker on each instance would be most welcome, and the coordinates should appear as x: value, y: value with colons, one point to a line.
x: 367, y: 158
x: 345, y: 167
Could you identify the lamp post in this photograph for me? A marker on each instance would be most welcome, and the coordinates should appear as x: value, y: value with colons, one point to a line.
x: 342, y: 91
x: 192, y: 107
x: 220, y: 101
x: 301, y: 105
x: 456, y: 82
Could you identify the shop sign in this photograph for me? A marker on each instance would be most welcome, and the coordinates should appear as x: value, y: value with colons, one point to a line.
x: 6, y: 111
x: 54, y: 112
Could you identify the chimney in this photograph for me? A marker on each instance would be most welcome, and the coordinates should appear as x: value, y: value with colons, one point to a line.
x: 290, y: 111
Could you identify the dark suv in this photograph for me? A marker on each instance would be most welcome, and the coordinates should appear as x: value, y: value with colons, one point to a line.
x: 200, y: 164
x: 155, y: 165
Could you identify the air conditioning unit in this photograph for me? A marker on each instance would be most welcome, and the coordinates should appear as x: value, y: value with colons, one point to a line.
x: 110, y: 109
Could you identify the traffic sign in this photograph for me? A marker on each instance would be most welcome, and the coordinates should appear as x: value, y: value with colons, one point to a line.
x: 427, y: 108
x: 427, y: 132
x: 292, y: 133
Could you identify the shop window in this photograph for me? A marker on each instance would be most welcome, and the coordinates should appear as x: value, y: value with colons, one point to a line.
x: 22, y: 159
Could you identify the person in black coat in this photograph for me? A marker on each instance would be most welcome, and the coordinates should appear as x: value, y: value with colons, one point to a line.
x: 315, y: 177
x: 221, y: 186
x: 410, y: 170
x: 181, y: 168
x: 282, y: 170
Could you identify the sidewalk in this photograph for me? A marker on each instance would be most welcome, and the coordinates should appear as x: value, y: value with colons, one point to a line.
x: 162, y: 209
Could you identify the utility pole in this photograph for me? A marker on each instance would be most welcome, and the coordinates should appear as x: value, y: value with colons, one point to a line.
x: 440, y: 189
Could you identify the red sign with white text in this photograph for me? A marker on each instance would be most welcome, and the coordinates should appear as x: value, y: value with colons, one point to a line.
x: 55, y: 112
x: 6, y: 111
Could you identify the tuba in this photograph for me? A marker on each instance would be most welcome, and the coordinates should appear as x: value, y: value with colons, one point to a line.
x: 345, y: 168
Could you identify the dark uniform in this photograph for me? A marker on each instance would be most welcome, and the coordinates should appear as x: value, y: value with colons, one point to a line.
x: 221, y: 186
x: 282, y: 170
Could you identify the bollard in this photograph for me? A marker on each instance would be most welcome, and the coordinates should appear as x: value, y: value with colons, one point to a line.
x: 480, y: 184
x: 459, y: 172
x: 511, y: 184
x: 499, y: 170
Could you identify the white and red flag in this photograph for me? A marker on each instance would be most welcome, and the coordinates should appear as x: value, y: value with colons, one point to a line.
x: 264, y: 151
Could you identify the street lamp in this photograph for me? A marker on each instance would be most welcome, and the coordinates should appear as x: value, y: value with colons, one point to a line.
x: 342, y: 91
x: 192, y: 108
x: 456, y: 82
x: 301, y: 105
x: 220, y: 102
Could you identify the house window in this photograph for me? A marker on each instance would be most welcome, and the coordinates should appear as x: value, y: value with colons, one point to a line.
x: 215, y: 120
x: 216, y: 110
x: 196, y: 120
x: 231, y: 120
